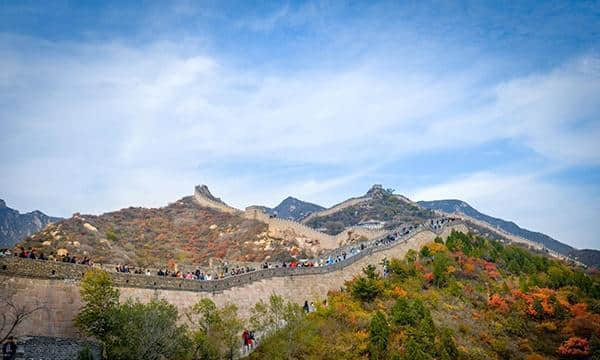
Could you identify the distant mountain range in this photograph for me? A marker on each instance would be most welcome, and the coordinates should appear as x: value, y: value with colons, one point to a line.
x: 293, y: 209
x: 589, y: 257
x: 199, y: 228
x: 15, y: 226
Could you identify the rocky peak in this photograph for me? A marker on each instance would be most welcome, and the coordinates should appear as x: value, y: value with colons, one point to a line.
x: 202, y: 190
x: 2, y: 204
x: 377, y: 191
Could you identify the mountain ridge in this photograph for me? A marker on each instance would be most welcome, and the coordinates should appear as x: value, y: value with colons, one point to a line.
x: 589, y: 257
x: 15, y: 226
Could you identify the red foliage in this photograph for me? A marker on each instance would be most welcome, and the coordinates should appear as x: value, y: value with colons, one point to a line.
x: 496, y: 301
x: 575, y: 347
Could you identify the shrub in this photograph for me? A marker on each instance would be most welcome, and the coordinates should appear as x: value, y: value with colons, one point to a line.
x: 85, y: 354
x: 496, y: 301
x: 574, y: 347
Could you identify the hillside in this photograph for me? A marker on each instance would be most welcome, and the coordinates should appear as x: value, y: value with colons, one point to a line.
x: 468, y: 298
x: 293, y: 209
x: 588, y: 257
x: 15, y: 226
x: 183, y: 231
x: 378, y: 205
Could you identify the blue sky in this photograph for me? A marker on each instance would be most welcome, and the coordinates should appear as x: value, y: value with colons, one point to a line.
x: 105, y: 105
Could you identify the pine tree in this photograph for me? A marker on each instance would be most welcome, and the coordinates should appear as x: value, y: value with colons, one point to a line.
x: 379, y: 333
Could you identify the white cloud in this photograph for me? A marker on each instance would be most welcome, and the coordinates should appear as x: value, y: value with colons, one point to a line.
x: 99, y: 126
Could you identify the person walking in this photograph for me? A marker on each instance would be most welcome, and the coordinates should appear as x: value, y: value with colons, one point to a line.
x: 246, y: 339
x: 305, y: 307
x: 9, y: 349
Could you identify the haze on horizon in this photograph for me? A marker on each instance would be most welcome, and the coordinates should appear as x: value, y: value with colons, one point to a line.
x: 108, y: 105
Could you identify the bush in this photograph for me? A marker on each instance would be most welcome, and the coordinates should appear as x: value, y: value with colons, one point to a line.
x: 574, y: 347
x: 85, y: 354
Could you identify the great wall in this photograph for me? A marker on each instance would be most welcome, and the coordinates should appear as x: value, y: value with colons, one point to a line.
x: 305, y: 234
x: 56, y: 284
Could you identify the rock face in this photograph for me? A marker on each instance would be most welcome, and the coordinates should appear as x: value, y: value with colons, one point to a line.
x: 588, y: 257
x: 15, y: 226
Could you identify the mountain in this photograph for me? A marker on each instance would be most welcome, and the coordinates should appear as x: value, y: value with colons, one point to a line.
x: 15, y: 226
x: 195, y: 230
x: 378, y: 206
x: 293, y: 209
x: 588, y: 257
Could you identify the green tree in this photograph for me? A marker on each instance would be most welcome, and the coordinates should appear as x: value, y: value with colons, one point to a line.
x: 414, y: 351
x: 379, y: 332
x: 402, y: 313
x: 440, y: 265
x: 148, y: 331
x: 101, y: 300
x: 447, y: 346
x: 216, y: 332
x: 368, y: 287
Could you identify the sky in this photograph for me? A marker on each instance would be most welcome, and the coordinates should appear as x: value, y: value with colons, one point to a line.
x: 110, y: 104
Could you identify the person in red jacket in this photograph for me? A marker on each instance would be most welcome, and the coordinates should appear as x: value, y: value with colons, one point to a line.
x: 246, y: 338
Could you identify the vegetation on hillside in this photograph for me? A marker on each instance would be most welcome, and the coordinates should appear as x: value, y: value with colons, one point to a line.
x: 382, y: 206
x: 468, y: 298
x: 181, y: 232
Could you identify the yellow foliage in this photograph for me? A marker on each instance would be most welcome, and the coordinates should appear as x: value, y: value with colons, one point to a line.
x: 399, y: 292
x: 435, y: 247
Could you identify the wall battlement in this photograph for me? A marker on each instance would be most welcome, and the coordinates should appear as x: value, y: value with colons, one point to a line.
x: 34, y: 281
x: 326, y: 241
x: 204, y: 198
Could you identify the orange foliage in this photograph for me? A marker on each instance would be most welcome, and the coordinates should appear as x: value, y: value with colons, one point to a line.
x: 496, y: 301
x: 579, y: 309
x: 469, y: 268
x: 574, y: 347
x: 399, y: 292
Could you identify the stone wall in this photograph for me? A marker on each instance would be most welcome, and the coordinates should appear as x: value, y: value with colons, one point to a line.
x: 326, y: 241
x: 62, y: 301
x: 336, y: 208
x: 209, y: 203
x: 52, y: 348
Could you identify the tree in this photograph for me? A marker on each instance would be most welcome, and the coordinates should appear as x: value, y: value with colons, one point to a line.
x: 440, y: 265
x: 216, y: 331
x: 402, y: 313
x: 101, y: 299
x: 379, y: 332
x: 367, y: 288
x: 13, y: 312
x: 447, y: 346
x: 414, y: 351
x: 148, y: 331
x: 282, y: 319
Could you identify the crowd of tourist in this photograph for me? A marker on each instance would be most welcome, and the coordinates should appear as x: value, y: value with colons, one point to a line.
x: 339, y: 255
x: 38, y: 255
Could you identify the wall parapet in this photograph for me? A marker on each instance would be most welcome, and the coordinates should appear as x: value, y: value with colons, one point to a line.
x: 44, y: 269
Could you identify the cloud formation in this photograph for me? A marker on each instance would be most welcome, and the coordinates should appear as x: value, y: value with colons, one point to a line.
x: 92, y: 126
